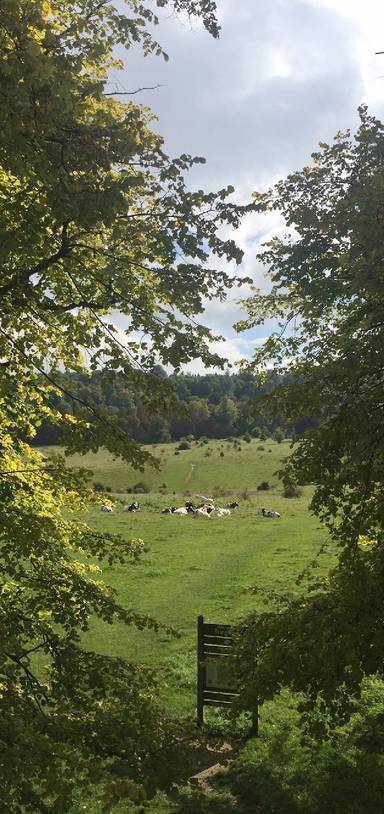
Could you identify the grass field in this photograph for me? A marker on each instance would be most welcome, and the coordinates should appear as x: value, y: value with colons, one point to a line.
x: 198, y: 566
x: 195, y: 566
x: 200, y: 468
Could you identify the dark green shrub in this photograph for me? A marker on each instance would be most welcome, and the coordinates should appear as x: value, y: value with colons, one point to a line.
x: 278, y: 435
x: 184, y: 445
x: 292, y: 490
x: 263, y: 486
x: 141, y: 488
x: 98, y: 487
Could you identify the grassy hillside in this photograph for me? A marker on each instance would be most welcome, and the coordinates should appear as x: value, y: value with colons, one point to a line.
x: 199, y: 469
x: 194, y: 565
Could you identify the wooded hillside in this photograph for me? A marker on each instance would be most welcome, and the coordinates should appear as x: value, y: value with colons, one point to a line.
x: 215, y: 405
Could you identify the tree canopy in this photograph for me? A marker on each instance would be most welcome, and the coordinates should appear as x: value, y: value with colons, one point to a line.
x: 94, y: 217
x: 198, y: 408
x: 327, y: 295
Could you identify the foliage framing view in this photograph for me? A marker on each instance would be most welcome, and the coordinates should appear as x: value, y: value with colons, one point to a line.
x: 327, y: 294
x: 94, y: 216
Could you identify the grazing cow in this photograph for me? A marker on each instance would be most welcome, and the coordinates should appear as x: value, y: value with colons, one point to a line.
x: 190, y: 506
x: 168, y: 510
x: 105, y: 508
x: 269, y: 513
x: 233, y: 505
x: 182, y: 511
x: 133, y: 507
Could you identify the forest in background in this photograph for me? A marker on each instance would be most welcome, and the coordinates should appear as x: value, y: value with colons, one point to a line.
x: 213, y: 405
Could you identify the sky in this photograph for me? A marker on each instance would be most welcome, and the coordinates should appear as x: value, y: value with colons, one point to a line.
x: 284, y: 75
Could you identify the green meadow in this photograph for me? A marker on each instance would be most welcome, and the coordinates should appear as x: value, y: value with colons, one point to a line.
x: 242, y: 466
x: 194, y: 565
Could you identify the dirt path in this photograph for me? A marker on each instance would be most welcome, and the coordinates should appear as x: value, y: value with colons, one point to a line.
x: 205, y: 779
x: 193, y: 467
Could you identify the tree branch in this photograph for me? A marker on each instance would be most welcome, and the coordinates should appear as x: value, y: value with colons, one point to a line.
x: 120, y: 435
x: 133, y: 92
x: 33, y: 681
x: 20, y: 277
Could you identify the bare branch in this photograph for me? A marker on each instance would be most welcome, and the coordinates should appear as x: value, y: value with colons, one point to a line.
x: 11, y: 472
x: 133, y: 92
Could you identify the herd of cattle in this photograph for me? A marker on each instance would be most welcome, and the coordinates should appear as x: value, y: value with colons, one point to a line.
x: 205, y: 509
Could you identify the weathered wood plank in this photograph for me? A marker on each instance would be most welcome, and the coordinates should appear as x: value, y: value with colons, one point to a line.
x: 223, y: 640
x: 200, y: 672
x: 217, y: 630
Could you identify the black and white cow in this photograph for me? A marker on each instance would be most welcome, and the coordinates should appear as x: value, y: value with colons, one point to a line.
x: 269, y: 513
x: 133, y: 507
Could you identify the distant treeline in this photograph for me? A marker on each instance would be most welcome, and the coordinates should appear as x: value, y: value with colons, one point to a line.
x: 212, y: 405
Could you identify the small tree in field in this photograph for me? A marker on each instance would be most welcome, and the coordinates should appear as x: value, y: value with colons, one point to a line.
x: 278, y: 435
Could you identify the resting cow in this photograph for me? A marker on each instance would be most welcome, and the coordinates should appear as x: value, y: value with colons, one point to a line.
x: 202, y: 511
x: 220, y: 512
x: 269, y: 513
x: 133, y: 507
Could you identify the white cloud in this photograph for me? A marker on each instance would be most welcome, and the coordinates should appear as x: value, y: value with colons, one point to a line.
x: 283, y: 76
x: 233, y: 349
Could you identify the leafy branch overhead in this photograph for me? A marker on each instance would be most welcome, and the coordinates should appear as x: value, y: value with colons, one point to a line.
x: 326, y: 273
x: 97, y: 215
x: 95, y: 218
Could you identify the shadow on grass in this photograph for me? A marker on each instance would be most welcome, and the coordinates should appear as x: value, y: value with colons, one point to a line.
x: 294, y: 780
x: 274, y: 774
